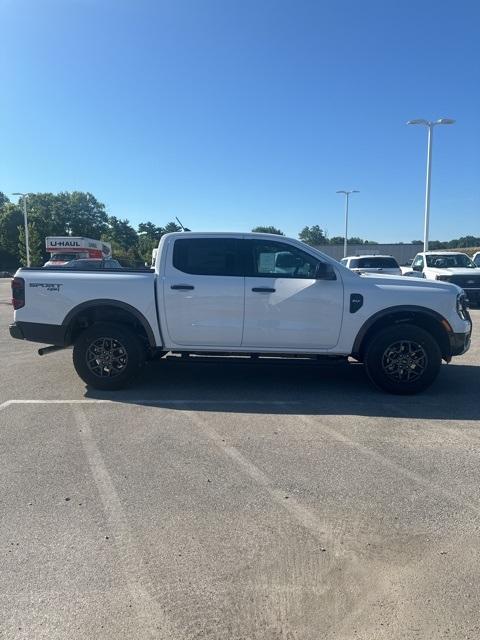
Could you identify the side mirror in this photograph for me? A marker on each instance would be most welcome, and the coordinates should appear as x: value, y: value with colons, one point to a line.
x: 324, y: 271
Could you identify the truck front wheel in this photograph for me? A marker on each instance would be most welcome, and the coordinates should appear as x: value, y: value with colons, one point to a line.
x: 403, y: 359
x: 107, y: 355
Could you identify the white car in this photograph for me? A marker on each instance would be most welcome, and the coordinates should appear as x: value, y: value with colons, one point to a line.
x: 372, y: 264
x: 242, y: 294
x: 450, y: 266
x: 476, y: 258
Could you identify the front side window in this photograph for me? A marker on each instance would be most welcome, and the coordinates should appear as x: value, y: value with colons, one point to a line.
x: 267, y: 258
x: 207, y: 256
x: 417, y: 264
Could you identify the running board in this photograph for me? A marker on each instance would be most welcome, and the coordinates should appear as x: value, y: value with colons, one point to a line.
x: 256, y: 358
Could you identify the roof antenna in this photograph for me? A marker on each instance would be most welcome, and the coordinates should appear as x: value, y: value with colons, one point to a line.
x: 181, y: 225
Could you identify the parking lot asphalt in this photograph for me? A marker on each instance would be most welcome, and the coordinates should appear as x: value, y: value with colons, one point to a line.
x: 234, y: 501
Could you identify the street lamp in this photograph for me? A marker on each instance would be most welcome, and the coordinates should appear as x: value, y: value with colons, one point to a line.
x: 347, y: 195
x: 430, y: 125
x: 27, y: 246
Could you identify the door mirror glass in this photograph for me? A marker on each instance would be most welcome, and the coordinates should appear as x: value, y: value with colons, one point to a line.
x: 324, y: 271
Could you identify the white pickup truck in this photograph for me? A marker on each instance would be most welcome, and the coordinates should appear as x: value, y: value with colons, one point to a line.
x: 238, y: 294
x: 449, y: 266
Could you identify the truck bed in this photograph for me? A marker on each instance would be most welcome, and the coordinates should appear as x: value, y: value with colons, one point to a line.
x: 53, y: 296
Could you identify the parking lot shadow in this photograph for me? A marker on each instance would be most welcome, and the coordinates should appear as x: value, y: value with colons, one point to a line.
x: 296, y: 388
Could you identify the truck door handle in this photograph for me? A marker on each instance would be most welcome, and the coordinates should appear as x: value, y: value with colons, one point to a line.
x: 182, y: 286
x: 263, y: 290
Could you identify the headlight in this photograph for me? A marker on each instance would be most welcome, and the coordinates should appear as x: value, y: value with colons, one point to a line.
x: 443, y: 278
x: 462, y: 306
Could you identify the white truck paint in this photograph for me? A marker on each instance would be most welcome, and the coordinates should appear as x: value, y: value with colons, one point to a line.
x: 237, y: 293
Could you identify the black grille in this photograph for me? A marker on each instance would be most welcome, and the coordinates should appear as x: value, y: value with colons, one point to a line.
x: 466, y: 282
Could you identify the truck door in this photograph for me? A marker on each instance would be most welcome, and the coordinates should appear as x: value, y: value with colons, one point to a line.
x: 286, y: 307
x: 203, y: 292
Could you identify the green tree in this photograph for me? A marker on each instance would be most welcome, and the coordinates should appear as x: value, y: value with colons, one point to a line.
x: 313, y: 235
x: 151, y: 230
x: 34, y: 243
x: 355, y: 240
x: 464, y: 242
x: 270, y: 229
x: 11, y: 218
x: 67, y: 213
x: 336, y: 240
x: 149, y: 237
x: 3, y: 199
x: 81, y: 213
x: 171, y: 227
x: 121, y: 233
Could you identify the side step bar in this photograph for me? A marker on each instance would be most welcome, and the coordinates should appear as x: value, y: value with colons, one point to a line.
x: 256, y: 358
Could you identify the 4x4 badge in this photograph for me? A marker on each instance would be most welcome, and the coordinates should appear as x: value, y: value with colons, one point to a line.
x: 49, y: 286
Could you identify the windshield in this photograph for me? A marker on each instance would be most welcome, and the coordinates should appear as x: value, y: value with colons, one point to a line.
x: 374, y: 263
x: 66, y: 257
x: 456, y: 261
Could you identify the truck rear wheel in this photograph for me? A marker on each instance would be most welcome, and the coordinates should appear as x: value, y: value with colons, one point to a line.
x: 107, y: 355
x: 403, y: 359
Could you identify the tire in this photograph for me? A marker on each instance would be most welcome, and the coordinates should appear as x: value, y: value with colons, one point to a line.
x: 403, y: 359
x: 120, y: 356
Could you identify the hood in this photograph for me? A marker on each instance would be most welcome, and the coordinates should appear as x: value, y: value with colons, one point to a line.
x: 414, y: 283
x: 454, y: 271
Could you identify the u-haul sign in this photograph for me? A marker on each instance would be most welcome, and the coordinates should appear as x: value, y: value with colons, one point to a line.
x: 58, y: 244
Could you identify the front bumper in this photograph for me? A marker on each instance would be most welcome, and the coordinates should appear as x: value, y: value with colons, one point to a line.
x: 473, y: 296
x: 460, y: 343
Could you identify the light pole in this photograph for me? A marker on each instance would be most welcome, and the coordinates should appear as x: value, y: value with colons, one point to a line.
x: 430, y: 124
x: 27, y: 246
x: 345, y: 241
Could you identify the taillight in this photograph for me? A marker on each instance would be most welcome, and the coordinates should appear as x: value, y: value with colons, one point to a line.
x: 18, y: 293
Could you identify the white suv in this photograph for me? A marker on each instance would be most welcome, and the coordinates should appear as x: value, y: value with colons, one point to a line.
x: 372, y: 264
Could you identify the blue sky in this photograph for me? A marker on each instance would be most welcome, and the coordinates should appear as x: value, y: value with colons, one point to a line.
x: 233, y: 113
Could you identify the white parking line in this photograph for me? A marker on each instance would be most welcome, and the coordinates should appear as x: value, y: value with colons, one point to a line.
x: 379, y: 458
x: 304, y: 516
x: 155, y: 623
x: 160, y: 403
x: 8, y: 403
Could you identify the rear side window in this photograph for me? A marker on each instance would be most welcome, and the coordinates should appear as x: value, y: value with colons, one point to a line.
x: 207, y: 256
x: 374, y: 263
